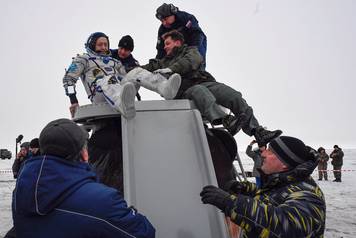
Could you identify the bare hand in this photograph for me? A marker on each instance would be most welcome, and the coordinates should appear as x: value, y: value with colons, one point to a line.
x: 73, y: 108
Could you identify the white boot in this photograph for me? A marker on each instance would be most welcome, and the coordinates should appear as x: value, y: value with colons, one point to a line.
x: 120, y: 96
x: 167, y: 88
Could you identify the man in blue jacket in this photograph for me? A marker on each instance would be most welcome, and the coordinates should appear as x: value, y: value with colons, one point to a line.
x: 57, y: 194
x: 174, y: 19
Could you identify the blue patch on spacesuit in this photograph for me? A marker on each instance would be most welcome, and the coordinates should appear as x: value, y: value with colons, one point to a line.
x: 119, y: 77
x: 108, y: 69
x: 106, y: 60
x: 72, y: 68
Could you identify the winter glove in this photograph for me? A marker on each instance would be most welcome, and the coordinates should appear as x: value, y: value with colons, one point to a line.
x: 163, y: 71
x: 216, y: 197
x: 234, y: 186
x: 237, y: 187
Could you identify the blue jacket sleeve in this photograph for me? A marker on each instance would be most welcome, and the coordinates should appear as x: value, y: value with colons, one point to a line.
x: 128, y: 219
x: 191, y: 25
x: 160, y: 44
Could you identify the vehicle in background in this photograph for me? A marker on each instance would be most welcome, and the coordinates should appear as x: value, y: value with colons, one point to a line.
x: 5, y: 154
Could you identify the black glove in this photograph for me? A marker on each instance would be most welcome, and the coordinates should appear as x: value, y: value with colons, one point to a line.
x: 216, y: 197
x: 234, y: 186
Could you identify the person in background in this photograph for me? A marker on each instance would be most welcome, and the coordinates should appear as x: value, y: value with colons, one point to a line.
x: 337, y: 161
x: 33, y: 150
x: 173, y: 19
x: 323, y: 164
x: 23, y: 155
x: 58, y: 195
x: 255, y: 154
x: 35, y: 147
x: 289, y: 203
x: 124, y: 53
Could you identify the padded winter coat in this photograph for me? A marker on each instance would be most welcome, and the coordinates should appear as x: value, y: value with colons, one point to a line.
x: 58, y: 198
x: 286, y: 206
x: 129, y: 63
x: 337, y: 157
x: 188, y: 25
x: 186, y: 61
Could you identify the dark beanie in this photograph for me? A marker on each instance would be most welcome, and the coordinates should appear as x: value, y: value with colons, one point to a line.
x: 35, y: 143
x: 127, y: 42
x: 62, y: 138
x: 165, y: 10
x: 291, y: 151
x: 25, y: 145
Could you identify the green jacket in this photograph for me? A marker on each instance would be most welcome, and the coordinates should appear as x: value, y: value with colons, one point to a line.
x: 337, y: 155
x: 285, y: 206
x: 186, y: 61
x: 323, y: 157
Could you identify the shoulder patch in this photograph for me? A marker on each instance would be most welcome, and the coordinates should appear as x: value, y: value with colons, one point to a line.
x: 72, y: 68
x: 106, y: 60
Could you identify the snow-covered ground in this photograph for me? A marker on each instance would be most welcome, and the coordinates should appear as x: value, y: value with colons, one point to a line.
x: 340, y: 197
x: 7, y: 184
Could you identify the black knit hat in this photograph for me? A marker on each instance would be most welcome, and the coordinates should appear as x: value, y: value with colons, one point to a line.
x: 25, y: 145
x: 166, y: 10
x: 93, y: 38
x: 291, y: 151
x: 35, y: 143
x: 127, y: 42
x: 62, y: 138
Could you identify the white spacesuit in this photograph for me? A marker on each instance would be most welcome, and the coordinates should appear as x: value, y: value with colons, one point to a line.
x: 105, y: 80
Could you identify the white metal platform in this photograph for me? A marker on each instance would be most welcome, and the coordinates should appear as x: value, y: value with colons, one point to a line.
x: 166, y: 164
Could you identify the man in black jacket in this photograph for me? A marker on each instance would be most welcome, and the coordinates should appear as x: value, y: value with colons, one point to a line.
x: 337, y: 160
x: 124, y: 53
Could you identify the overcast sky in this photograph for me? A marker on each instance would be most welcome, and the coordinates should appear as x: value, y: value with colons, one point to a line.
x: 294, y: 61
